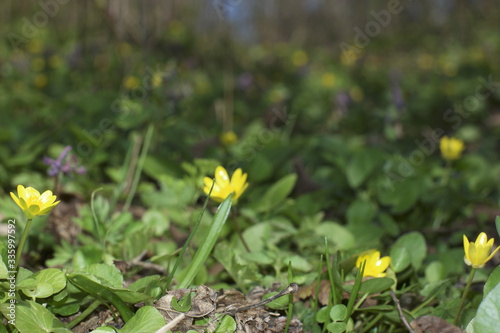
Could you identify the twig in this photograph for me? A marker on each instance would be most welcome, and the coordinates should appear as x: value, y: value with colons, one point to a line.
x: 400, y: 311
x: 171, y: 324
x: 148, y: 265
x: 291, y: 289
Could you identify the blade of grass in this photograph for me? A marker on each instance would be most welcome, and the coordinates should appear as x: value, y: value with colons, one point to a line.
x: 191, y: 234
x: 95, y: 219
x: 140, y: 166
x: 318, y: 282
x: 206, y: 247
x: 355, y: 289
x: 290, y: 298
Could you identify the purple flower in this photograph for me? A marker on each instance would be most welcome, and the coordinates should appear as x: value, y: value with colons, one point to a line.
x: 244, y: 81
x: 65, y: 163
x: 343, y: 101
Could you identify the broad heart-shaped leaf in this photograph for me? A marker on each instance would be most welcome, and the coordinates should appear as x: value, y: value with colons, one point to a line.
x: 32, y: 317
x: 227, y: 324
x: 108, y: 275
x: 337, y: 234
x: 400, y: 258
x: 488, y: 314
x: 338, y: 312
x: 277, y: 193
x: 361, y: 212
x: 47, y: 282
x: 146, y: 320
x: 362, y: 165
x: 492, y: 282
x: 336, y: 327
x: 414, y: 243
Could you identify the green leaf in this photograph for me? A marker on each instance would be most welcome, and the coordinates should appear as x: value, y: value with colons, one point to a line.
x: 278, y: 304
x: 414, y: 243
x: 361, y: 165
x: 322, y: 315
x: 41, y: 290
x: 102, y: 293
x: 492, y: 281
x: 338, y: 312
x: 183, y: 304
x: 241, y: 270
x: 33, y: 317
x: 488, y: 313
x: 435, y: 271
x: 336, y: 327
x: 361, y: 212
x: 400, y: 258
x: 156, y: 220
x: 206, y: 247
x: 373, y: 286
x: 336, y: 234
x: 299, y: 263
x: 105, y: 329
x: 47, y: 282
x: 497, y: 223
x: 3, y: 270
x: 377, y: 308
x: 107, y: 274
x: 227, y: 325
x: 146, y: 320
x: 277, y: 193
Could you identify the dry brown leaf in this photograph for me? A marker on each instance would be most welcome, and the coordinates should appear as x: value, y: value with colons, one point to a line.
x: 432, y: 324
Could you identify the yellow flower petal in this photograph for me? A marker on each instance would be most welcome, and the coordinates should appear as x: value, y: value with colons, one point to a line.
x: 221, y: 177
x: 477, y: 253
x: 224, y: 185
x: 32, y: 203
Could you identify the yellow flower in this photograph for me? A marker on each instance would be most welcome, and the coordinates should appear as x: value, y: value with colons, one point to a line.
x: 224, y: 186
x: 40, y: 81
x: 156, y: 80
x: 328, y: 80
x: 478, y: 253
x: 375, y: 266
x: 299, y: 58
x: 356, y: 94
x: 35, y: 46
x: 131, y: 82
x: 451, y: 148
x: 228, y: 138
x: 55, y: 61
x: 32, y: 203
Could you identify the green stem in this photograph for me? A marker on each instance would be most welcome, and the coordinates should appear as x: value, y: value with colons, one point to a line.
x: 446, y: 174
x: 464, y: 296
x: 83, y: 315
x: 24, y: 236
x: 372, y: 323
x: 238, y: 230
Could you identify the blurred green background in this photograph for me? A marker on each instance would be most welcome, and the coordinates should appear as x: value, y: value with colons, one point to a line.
x: 300, y: 83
